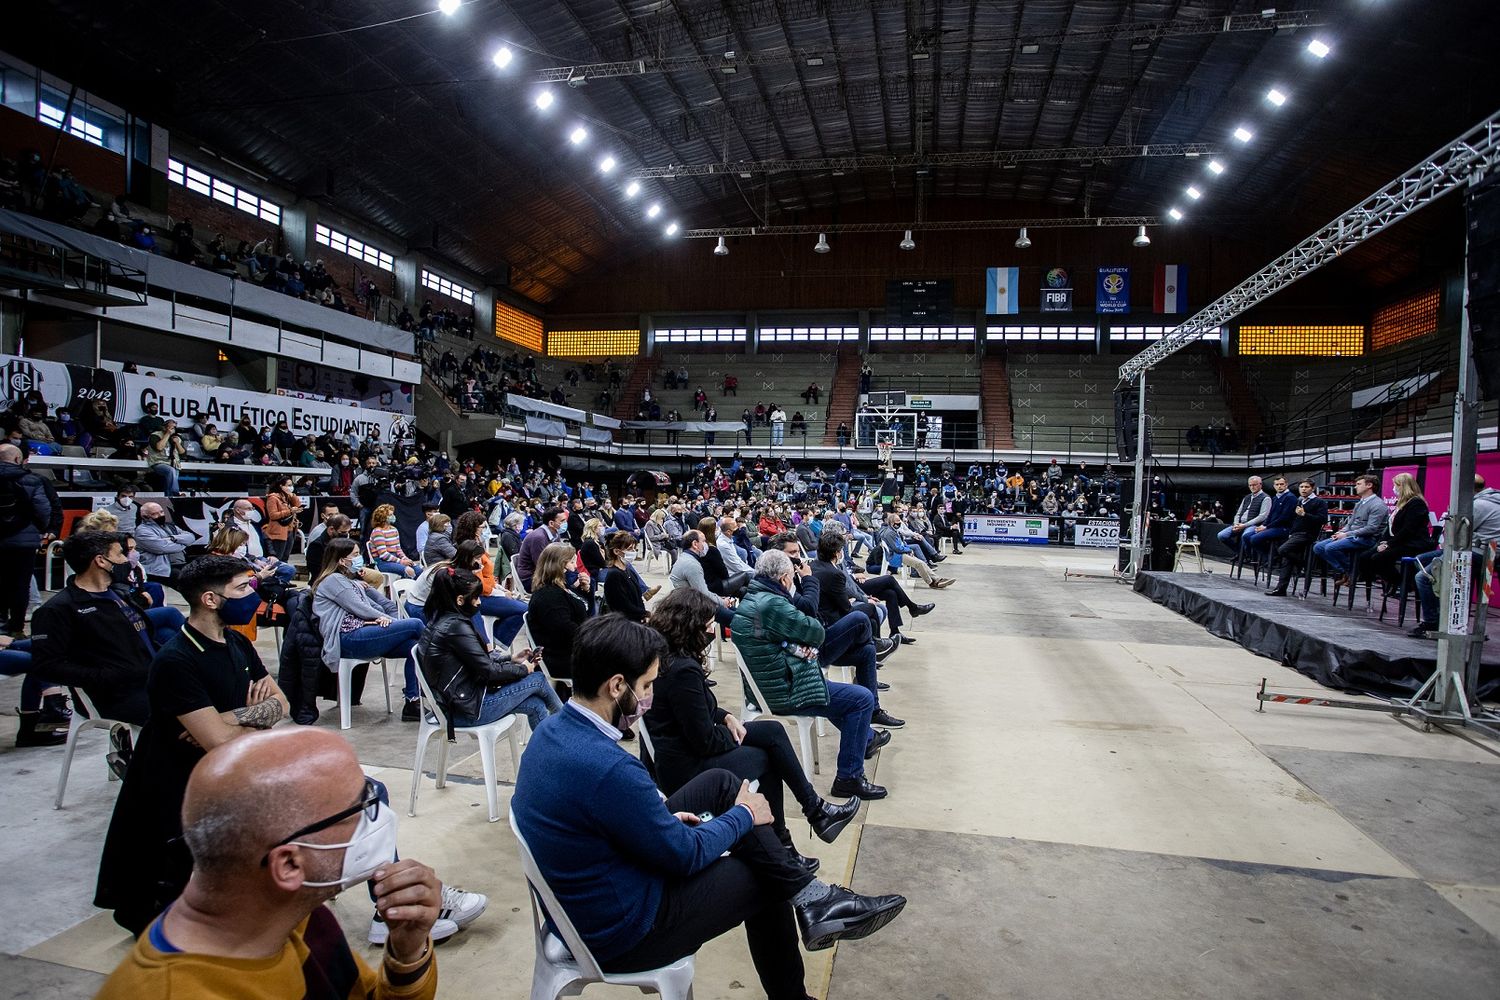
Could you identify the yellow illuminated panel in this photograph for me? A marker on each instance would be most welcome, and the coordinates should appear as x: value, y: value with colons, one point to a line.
x: 1332, y: 341
x: 593, y: 343
x: 1405, y: 320
x: 518, y: 327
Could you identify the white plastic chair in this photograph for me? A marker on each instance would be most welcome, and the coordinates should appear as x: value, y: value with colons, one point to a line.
x: 805, y: 723
x: 85, y: 716
x: 435, y: 722
x: 399, y: 590
x: 564, y: 967
x: 346, y: 698
x: 524, y: 640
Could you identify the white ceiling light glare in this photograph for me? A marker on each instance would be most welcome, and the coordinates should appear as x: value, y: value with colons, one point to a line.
x: 1023, y: 241
x: 671, y: 229
x: 653, y: 211
x: 1215, y: 167
x: 1030, y: 49
x: 502, y: 57
x: 1193, y: 192
x: 1276, y: 96
x: 632, y: 189
x: 1175, y: 213
x: 1319, y: 48
x: 607, y: 164
x: 578, y: 135
x: 822, y: 244
x: 1141, y: 239
x: 1243, y: 134
x: 907, y: 243
x: 448, y: 7
x: 722, y: 250
x: 544, y: 100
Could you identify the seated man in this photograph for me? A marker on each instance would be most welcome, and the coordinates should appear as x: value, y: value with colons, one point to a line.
x: 843, y: 645
x: 163, y: 545
x: 899, y: 554
x: 1486, y: 529
x: 1309, y: 514
x: 1253, y: 510
x: 884, y: 593
x: 642, y: 880
x: 779, y: 641
x: 1360, y: 533
x: 1262, y: 539
x: 277, y: 825
x: 687, y: 571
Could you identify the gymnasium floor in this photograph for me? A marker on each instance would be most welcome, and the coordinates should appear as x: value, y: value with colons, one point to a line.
x: 1084, y: 803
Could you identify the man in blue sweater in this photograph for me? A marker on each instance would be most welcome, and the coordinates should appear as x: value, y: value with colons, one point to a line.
x: 1263, y: 537
x: 642, y: 879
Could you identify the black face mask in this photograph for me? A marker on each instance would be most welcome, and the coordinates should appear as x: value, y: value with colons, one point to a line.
x: 119, y: 573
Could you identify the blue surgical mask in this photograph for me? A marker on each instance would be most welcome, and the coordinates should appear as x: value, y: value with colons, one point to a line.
x: 239, y: 610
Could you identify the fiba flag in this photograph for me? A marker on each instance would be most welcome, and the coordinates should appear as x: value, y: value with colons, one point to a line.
x: 1113, y: 292
x: 1169, y: 291
x: 1002, y: 291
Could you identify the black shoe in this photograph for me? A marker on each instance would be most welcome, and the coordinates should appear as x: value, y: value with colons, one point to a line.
x: 55, y: 711
x: 886, y: 719
x: 903, y: 638
x: 412, y: 710
x: 1423, y: 631
x: 844, y: 914
x: 884, y: 648
x: 937, y: 559
x: 922, y: 609
x: 120, y: 740
x: 880, y: 739
x: 35, y: 733
x: 1278, y: 592
x: 858, y: 787
x: 809, y: 865
x: 828, y: 819
x: 118, y: 764
x: 882, y: 686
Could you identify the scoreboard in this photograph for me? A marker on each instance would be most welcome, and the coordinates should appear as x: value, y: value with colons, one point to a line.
x: 915, y: 303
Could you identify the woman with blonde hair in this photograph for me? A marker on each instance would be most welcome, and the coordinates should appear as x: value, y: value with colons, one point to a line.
x: 591, y: 554
x: 385, y: 544
x: 99, y: 520
x: 1408, y: 532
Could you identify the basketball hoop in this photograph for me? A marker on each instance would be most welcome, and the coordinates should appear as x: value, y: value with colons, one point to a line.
x: 885, y: 447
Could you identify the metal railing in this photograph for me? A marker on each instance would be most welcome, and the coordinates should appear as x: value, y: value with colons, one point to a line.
x: 60, y: 271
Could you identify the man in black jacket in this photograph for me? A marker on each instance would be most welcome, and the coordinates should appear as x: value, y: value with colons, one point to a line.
x: 842, y: 587
x: 1310, y: 514
x: 30, y: 517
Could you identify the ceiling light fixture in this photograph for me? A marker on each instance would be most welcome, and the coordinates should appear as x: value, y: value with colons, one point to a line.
x: 632, y: 189
x: 1023, y: 241
x: 1215, y: 167
x: 1175, y: 213
x: 671, y: 229
x: 1194, y: 193
x: 722, y: 250
x: 448, y: 7
x: 907, y: 243
x: 577, y: 136
x: 653, y: 211
x: 822, y: 245
x: 814, y: 60
x: 1319, y: 48
x: 1030, y: 49
x: 544, y: 100
x: 1243, y: 134
x: 502, y: 57
x: 1141, y: 239
x: 1140, y: 45
x: 1276, y: 97
x: 607, y: 164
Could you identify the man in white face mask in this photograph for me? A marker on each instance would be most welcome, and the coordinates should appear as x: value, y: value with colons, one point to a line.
x: 278, y: 823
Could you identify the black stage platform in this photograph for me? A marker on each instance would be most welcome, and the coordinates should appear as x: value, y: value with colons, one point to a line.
x: 1338, y: 648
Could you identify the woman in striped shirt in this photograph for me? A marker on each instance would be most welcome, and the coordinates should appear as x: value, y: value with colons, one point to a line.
x: 385, y: 544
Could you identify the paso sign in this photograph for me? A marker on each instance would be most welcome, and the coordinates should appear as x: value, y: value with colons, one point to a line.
x: 1005, y: 528
x: 1103, y: 534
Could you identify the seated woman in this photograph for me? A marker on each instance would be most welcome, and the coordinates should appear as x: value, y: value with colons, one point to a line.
x: 473, y: 685
x: 591, y: 553
x: 692, y: 734
x: 385, y: 544
x: 556, y: 609
x: 359, y: 622
x: 715, y: 574
x: 439, y: 547
x: 624, y: 590
x: 496, y: 602
x: 1408, y: 533
x: 235, y: 542
x: 465, y: 557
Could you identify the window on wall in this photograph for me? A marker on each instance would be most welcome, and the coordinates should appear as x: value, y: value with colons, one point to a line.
x: 86, y: 120
x: 1150, y: 333
x: 696, y: 335
x: 1040, y: 332
x: 518, y: 327
x: 1405, y: 320
x: 929, y: 334
x: 358, y: 249
x: 220, y: 190
x: 808, y: 334
x: 593, y: 343
x: 1327, y: 341
x: 445, y: 286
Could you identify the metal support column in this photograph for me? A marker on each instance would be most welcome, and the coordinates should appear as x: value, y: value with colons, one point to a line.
x: 1139, y: 510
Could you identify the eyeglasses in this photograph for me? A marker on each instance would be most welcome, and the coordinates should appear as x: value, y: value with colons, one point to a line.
x: 369, y: 804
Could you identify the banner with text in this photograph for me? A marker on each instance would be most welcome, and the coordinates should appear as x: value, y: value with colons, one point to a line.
x: 224, y: 407
x: 1101, y: 534
x: 1005, y: 528
x: 1113, y: 292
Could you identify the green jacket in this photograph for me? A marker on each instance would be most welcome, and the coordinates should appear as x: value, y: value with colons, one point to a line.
x: 766, y: 625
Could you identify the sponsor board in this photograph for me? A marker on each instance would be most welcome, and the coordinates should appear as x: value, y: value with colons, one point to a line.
x: 1103, y: 534
x: 1006, y: 528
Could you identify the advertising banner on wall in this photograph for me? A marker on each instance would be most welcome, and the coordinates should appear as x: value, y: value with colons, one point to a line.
x: 1097, y: 534
x: 126, y: 398
x: 1113, y: 292
x: 1016, y: 530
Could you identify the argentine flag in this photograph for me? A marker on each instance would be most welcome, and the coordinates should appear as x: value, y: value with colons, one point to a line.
x: 1002, y: 291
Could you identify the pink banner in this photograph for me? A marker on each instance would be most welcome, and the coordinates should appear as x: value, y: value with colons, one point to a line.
x: 1439, y: 472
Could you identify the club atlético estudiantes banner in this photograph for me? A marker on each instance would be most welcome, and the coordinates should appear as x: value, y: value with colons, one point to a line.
x: 126, y: 398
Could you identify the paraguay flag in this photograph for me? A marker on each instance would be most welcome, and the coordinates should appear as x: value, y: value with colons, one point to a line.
x: 1169, y: 290
x: 1002, y: 291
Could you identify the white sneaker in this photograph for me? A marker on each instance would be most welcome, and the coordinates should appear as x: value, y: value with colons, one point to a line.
x: 442, y: 930
x: 463, y: 908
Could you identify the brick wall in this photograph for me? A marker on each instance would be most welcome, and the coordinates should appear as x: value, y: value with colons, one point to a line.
x: 212, y: 217
x: 99, y: 170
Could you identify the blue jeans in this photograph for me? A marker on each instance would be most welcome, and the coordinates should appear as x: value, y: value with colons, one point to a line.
x: 1426, y: 586
x: 1231, y: 538
x: 1264, y: 540
x: 1339, y: 553
x: 509, y: 611
x: 158, y: 595
x: 370, y: 642
x: 849, y: 708
x: 860, y: 538
x: 169, y: 475
x: 165, y: 623
x: 16, y: 659
x: 848, y: 642
x: 399, y: 569
x: 777, y: 430
x: 532, y: 696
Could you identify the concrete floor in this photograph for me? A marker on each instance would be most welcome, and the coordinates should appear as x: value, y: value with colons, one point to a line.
x: 1084, y: 803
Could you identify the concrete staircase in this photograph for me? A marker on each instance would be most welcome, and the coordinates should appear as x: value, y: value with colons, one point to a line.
x: 1243, y: 409
x: 629, y: 399
x: 994, y: 402
x: 843, y: 396
x: 436, y: 416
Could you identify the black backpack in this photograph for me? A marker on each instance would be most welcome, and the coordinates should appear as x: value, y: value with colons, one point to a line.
x: 16, y: 513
